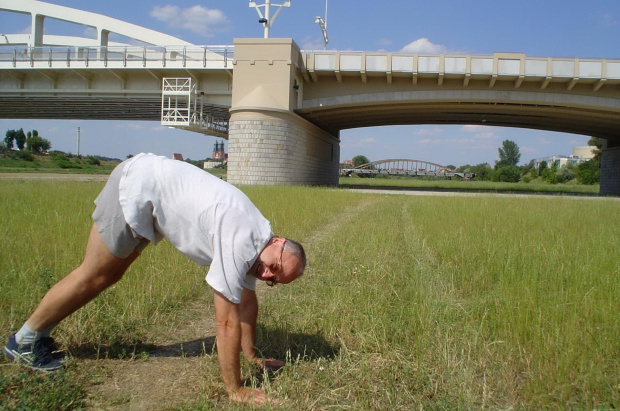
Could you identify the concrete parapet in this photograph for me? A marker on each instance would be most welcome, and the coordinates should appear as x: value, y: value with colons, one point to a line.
x: 270, y: 147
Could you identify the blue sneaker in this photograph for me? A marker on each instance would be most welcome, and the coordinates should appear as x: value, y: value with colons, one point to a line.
x: 51, y: 345
x: 36, y: 356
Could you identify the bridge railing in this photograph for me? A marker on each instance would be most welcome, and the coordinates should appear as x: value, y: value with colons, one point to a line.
x: 116, y: 56
x: 515, y: 67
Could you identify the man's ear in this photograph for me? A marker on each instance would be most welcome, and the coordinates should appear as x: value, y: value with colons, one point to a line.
x: 277, y: 240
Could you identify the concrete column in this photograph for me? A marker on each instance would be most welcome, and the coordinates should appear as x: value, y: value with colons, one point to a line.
x: 610, y: 171
x: 268, y: 142
x: 104, y: 36
x: 36, y: 38
x: 270, y: 147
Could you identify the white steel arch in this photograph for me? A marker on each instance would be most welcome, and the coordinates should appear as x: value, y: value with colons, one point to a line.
x: 39, y: 10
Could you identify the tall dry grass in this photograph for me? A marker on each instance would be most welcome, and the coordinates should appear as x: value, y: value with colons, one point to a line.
x: 408, y: 302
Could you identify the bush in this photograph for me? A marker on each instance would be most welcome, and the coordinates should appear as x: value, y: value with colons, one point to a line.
x: 564, y: 175
x: 23, y: 155
x: 588, y: 173
x: 93, y: 161
x: 63, y: 162
x: 507, y: 174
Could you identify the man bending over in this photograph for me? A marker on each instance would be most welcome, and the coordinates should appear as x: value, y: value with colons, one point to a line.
x: 213, y: 223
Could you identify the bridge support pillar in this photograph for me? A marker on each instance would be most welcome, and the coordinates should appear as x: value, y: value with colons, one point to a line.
x: 268, y: 142
x: 268, y: 147
x: 610, y: 171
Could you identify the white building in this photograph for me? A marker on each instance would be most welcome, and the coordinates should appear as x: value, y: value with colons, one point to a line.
x: 580, y: 155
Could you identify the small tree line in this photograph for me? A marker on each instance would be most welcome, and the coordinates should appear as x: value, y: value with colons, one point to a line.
x: 30, y: 141
x: 506, y: 169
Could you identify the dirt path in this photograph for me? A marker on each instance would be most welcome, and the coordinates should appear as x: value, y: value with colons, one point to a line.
x: 173, y: 372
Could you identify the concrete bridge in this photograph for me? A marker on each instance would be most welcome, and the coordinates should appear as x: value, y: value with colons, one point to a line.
x: 286, y: 109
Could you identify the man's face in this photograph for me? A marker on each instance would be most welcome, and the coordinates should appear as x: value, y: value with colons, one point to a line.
x: 274, y: 265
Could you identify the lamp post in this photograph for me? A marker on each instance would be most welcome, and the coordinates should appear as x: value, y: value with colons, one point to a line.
x: 78, y: 142
x: 323, y: 25
x: 265, y: 19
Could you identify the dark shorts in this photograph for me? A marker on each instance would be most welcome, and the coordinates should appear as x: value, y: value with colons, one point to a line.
x: 120, y: 239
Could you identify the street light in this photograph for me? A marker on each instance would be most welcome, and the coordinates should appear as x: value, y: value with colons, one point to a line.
x: 323, y: 25
x: 265, y: 19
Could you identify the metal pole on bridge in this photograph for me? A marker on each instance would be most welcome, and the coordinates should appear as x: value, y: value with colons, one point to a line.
x: 265, y: 19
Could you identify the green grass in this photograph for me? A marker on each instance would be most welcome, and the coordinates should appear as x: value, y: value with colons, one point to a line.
x: 44, y: 164
x: 408, y: 302
x: 443, y: 184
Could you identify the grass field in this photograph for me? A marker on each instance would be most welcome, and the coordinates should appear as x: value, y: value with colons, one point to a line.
x: 409, y: 302
x: 458, y: 184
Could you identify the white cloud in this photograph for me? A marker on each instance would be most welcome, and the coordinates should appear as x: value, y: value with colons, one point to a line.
x: 473, y: 128
x: 429, y: 131
x: 312, y: 43
x: 423, y: 45
x: 129, y: 126
x: 482, y: 132
x: 197, y: 19
x: 361, y: 143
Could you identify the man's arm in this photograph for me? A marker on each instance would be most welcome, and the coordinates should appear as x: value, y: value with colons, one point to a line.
x: 228, y: 349
x: 248, y: 313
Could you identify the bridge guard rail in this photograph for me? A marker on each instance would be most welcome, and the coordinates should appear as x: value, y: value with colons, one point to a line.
x: 116, y: 56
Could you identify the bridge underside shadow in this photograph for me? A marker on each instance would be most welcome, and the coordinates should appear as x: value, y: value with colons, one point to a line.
x: 331, y: 105
x: 443, y: 108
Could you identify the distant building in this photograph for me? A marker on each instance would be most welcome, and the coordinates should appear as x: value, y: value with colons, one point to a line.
x: 580, y: 155
x: 219, y: 156
x: 218, y: 151
x: 177, y: 156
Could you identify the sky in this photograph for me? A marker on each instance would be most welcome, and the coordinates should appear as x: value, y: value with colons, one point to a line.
x: 541, y: 28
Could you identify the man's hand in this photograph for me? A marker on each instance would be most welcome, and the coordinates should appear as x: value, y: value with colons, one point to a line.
x: 250, y: 396
x: 268, y: 363
x: 273, y: 365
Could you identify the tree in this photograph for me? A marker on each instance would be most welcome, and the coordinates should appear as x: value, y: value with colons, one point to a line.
x: 598, y: 143
x: 542, y: 167
x: 36, y: 144
x: 509, y: 154
x: 564, y: 174
x: 10, y: 137
x: 508, y: 174
x: 483, y: 172
x: 20, y: 139
x: 360, y: 160
x: 588, y: 172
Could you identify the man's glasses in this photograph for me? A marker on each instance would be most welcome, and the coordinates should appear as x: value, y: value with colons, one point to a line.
x: 276, y: 269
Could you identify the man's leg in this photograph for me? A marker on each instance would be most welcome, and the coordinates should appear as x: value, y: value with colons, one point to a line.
x: 99, y: 270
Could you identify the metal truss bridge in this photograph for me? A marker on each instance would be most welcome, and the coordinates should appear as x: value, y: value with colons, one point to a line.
x: 403, y: 167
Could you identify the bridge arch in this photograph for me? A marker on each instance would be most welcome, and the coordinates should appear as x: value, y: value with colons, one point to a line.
x: 105, y: 25
x: 591, y: 116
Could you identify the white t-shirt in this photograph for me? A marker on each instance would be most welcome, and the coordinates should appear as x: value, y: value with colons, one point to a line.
x: 210, y: 221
